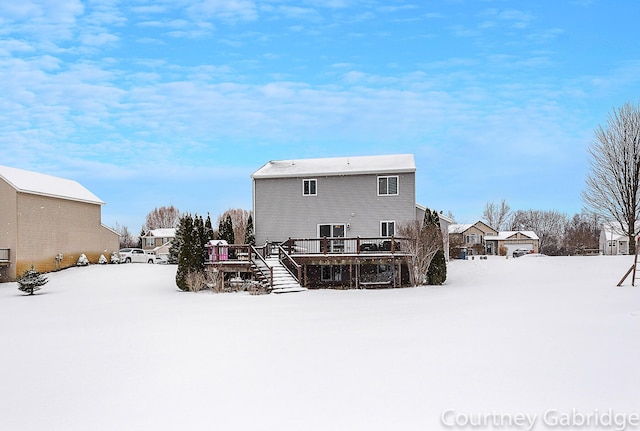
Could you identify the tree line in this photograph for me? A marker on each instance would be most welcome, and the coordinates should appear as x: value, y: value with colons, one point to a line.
x: 558, y: 233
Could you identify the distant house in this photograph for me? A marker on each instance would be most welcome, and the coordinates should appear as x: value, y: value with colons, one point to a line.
x: 613, y: 239
x: 470, y: 238
x: 159, y: 241
x: 49, y: 222
x: 480, y: 238
x: 509, y: 241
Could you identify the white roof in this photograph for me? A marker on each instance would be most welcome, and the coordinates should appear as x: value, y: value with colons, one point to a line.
x: 458, y: 228
x: 47, y: 185
x: 162, y: 233
x: 509, y: 233
x: 394, y: 163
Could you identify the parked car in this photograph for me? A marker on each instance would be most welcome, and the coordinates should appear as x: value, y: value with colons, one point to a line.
x: 136, y: 255
x: 520, y: 252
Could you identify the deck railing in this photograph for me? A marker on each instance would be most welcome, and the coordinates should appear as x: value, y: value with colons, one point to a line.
x: 5, y: 255
x: 292, y: 266
x: 377, y: 245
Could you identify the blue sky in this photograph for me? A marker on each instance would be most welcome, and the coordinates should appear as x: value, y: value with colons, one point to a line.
x: 177, y: 102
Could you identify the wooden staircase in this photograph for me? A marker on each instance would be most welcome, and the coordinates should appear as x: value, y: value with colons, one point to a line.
x: 271, y: 268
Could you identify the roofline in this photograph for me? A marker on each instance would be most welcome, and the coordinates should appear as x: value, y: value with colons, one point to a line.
x: 329, y: 173
x: 50, y: 195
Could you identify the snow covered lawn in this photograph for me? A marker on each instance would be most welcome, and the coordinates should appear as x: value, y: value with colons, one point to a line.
x: 118, y: 347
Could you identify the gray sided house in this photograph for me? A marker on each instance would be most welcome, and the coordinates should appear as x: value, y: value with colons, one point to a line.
x: 333, y: 197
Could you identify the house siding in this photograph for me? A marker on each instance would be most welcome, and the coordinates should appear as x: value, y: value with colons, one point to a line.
x: 281, y: 211
x: 48, y: 226
x: 8, y: 229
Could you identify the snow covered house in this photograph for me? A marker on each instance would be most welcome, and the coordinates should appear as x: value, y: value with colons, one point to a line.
x: 613, y: 239
x: 159, y: 241
x: 337, y: 218
x: 480, y: 238
x: 49, y: 222
x: 469, y: 239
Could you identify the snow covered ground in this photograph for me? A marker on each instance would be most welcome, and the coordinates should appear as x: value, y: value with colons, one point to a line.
x: 119, y: 348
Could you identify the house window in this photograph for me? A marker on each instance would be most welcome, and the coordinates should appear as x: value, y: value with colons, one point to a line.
x: 387, y: 228
x: 331, y: 273
x: 309, y: 187
x: 150, y: 242
x: 388, y: 185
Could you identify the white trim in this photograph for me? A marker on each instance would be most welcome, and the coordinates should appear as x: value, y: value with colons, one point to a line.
x: 315, y: 181
x: 394, y: 228
x: 344, y: 225
x: 397, y: 177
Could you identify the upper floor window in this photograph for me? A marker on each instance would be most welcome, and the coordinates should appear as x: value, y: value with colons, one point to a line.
x: 149, y: 242
x: 309, y: 187
x: 388, y: 185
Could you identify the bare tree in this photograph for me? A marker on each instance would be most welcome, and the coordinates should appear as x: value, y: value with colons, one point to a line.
x: 239, y: 220
x: 548, y: 225
x: 422, y: 243
x: 582, y: 232
x: 163, y: 217
x: 126, y: 238
x: 496, y: 215
x: 613, y: 186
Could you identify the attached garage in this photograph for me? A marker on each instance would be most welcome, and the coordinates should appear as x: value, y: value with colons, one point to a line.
x: 510, y: 241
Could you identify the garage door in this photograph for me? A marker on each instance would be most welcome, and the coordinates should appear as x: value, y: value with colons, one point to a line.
x: 513, y: 247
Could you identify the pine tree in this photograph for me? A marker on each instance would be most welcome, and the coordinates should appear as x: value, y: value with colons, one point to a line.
x: 31, y: 280
x: 249, y: 236
x: 225, y: 230
x: 208, y: 227
x: 437, y: 272
x: 199, y: 242
x: 185, y: 251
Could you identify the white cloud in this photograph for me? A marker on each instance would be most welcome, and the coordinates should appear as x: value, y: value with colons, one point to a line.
x: 231, y: 10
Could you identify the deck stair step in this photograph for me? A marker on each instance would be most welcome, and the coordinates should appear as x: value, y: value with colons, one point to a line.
x: 283, y: 281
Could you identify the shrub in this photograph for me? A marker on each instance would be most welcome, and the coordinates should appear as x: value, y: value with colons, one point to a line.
x: 437, y: 273
x: 31, y: 280
x: 102, y: 260
x: 82, y: 260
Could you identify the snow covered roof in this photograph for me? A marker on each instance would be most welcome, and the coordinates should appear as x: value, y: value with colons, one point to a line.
x: 47, y: 185
x: 615, y: 231
x: 459, y: 228
x: 162, y: 233
x: 503, y: 235
x: 394, y: 163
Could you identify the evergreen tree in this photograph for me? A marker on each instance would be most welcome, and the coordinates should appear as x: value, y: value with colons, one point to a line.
x: 437, y: 272
x: 249, y: 236
x: 208, y: 227
x: 185, y: 252
x: 199, y: 241
x: 142, y: 233
x: 31, y: 280
x: 177, y: 242
x: 225, y: 230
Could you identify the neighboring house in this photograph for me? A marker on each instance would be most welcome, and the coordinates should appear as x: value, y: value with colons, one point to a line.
x: 338, y: 215
x: 49, y: 222
x: 159, y: 241
x: 469, y: 239
x: 510, y: 241
x: 613, y: 239
x: 480, y: 238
